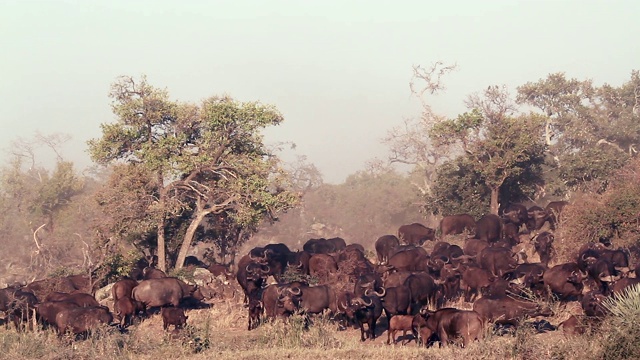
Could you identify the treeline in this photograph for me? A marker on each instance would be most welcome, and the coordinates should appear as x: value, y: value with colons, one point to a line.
x: 171, y: 175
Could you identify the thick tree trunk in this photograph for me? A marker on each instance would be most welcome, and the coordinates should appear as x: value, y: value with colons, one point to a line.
x: 188, y: 236
x: 494, y: 200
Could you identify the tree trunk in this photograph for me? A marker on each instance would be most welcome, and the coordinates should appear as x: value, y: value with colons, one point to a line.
x: 495, y: 191
x: 162, y: 264
x: 188, y: 236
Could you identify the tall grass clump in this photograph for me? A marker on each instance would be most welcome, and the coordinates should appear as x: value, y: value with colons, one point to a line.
x: 621, y: 330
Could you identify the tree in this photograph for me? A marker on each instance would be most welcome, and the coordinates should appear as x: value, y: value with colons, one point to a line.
x: 204, y: 159
x: 589, y: 131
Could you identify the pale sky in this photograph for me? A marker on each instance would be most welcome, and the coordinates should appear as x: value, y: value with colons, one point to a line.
x: 337, y: 70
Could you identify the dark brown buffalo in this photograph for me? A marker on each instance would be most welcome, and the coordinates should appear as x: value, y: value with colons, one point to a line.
x: 592, y: 304
x: 554, y: 212
x: 364, y: 310
x: 385, y: 247
x: 537, y: 216
x: 424, y: 290
x: 511, y: 234
x: 489, y: 228
x: 402, y: 323
x: 397, y: 301
x: 319, y: 246
x: 162, y: 292
x: 603, y: 273
x: 408, y: 260
x: 173, y: 316
x: 274, y: 256
x: 543, y: 244
x: 17, y: 304
x: 397, y: 278
x: 82, y: 320
x: 624, y: 283
x: 153, y: 273
x: 450, y: 275
x: 311, y: 299
x: 322, y: 266
x: 457, y: 224
x: 299, y: 262
x: 48, y: 310
x: 516, y: 214
x: 474, y: 280
x: 270, y: 296
x: 124, y: 309
x: 415, y: 234
x: 472, y: 247
x: 220, y: 270
x: 41, y: 288
x: 368, y: 282
x: 122, y: 288
x: 250, y: 276
x: 450, y: 324
x: 565, y: 280
x: 81, y: 299
x: 530, y: 275
x: 256, y: 308
x: 508, y: 309
x: 497, y: 260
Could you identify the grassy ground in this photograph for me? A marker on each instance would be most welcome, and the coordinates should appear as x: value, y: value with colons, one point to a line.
x: 220, y: 333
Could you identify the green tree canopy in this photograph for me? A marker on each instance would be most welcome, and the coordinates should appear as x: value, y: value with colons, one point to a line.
x: 204, y: 159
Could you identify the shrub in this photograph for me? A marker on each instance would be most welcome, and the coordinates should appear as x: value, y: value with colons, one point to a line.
x: 621, y: 331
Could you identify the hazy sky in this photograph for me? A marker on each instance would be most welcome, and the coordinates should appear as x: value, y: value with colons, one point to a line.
x: 338, y: 70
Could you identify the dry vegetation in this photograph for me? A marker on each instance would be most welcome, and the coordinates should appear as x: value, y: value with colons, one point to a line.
x: 220, y: 333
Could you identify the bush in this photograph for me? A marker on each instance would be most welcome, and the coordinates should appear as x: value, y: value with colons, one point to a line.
x: 622, y: 329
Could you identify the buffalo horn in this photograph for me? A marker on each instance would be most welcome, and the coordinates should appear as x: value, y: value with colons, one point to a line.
x: 266, y: 271
x: 584, y: 274
x: 295, y: 293
x: 368, y: 292
x: 368, y: 304
x: 366, y: 285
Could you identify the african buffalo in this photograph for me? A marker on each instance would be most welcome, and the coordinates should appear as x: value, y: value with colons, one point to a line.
x: 450, y: 324
x: 516, y: 214
x: 537, y: 216
x: 123, y: 288
x: 554, y: 211
x: 475, y: 279
x: 82, y: 320
x: 415, y: 234
x: 250, y: 276
x: 402, y: 323
x: 163, y: 291
x: 322, y: 266
x: 489, y: 228
x: 81, y: 299
x: 173, y: 316
x: 385, y: 246
x: 152, y: 273
x: 543, y: 244
x: 364, y: 310
x: 457, y: 224
x: 124, y: 309
x: 396, y: 301
x: 48, y: 310
x: 497, y: 260
x: 17, y: 304
x: 565, y: 280
x: 311, y: 299
x: 508, y: 309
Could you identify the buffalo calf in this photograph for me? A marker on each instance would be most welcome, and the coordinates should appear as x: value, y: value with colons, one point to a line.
x: 399, y: 323
x: 173, y: 316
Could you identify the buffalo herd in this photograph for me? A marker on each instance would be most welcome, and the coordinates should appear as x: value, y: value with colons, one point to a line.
x: 415, y: 288
x: 67, y: 304
x: 487, y: 275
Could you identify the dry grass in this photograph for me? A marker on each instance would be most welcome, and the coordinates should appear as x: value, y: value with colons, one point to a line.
x: 220, y: 333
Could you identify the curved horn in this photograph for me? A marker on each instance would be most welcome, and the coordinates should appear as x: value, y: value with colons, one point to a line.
x: 366, y: 285
x: 344, y: 305
x: 584, y: 274
x: 247, y: 269
x: 266, y: 271
x: 368, y: 292
x: 295, y: 293
x: 368, y: 304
